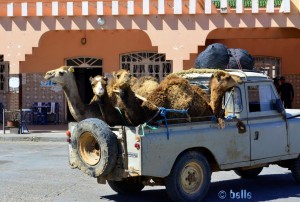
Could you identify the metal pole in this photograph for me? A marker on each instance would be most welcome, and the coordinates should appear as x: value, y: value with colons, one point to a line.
x: 3, y: 120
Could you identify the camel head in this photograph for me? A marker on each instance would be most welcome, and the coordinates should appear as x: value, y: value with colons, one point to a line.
x: 60, y: 75
x: 122, y: 79
x: 223, y: 80
x: 99, y: 84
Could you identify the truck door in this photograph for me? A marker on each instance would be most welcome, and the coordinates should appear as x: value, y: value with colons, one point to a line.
x: 267, y: 126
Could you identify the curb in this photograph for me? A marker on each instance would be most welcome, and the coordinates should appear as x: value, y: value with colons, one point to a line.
x: 32, y: 139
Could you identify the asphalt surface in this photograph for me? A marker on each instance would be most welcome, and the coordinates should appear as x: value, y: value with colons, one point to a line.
x: 36, y: 133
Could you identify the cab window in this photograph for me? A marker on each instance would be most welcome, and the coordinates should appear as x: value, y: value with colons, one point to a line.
x: 261, y: 98
x: 233, y: 101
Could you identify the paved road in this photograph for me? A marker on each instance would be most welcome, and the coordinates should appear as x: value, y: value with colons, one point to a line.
x: 32, y: 172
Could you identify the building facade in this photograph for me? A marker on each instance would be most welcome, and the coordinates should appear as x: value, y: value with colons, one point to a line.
x: 148, y: 37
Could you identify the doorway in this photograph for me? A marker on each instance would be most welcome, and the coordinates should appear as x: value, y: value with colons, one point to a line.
x: 84, y: 68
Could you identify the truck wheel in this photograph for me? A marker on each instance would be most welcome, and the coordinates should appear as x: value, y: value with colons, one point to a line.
x: 189, y: 179
x: 249, y: 173
x: 94, y: 146
x: 126, y: 186
x: 295, y: 168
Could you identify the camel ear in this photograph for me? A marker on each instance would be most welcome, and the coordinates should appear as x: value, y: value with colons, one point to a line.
x: 91, y: 79
x: 105, y: 78
x: 71, y: 69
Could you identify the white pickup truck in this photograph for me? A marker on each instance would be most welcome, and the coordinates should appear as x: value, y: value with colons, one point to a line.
x: 258, y: 132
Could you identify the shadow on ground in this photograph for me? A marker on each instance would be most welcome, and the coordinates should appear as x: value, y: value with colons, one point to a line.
x: 261, y: 188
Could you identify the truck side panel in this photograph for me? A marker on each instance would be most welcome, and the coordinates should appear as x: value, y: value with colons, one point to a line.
x: 294, y: 135
x: 159, y: 153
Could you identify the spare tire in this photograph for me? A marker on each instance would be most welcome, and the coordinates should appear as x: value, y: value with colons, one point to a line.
x: 214, y: 56
x: 95, y: 147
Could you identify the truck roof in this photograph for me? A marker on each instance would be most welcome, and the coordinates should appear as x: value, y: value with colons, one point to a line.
x: 201, y: 77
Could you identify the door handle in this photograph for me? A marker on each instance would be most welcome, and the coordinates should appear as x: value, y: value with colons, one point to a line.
x: 256, y: 135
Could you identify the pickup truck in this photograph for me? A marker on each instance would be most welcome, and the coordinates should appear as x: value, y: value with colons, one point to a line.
x: 258, y: 132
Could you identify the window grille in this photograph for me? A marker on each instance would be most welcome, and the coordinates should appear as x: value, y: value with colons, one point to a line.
x: 268, y: 65
x: 84, y: 62
x: 146, y: 64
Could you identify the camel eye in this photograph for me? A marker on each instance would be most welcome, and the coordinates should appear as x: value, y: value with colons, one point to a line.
x: 118, y: 76
x: 61, y: 73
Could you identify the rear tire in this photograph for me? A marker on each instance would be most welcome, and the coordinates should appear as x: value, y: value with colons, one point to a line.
x: 190, y: 177
x: 95, y: 147
x: 250, y: 173
x: 126, y: 186
x: 295, y: 168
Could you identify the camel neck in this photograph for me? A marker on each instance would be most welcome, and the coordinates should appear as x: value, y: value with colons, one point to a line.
x: 216, y: 102
x: 76, y: 106
x: 110, y: 115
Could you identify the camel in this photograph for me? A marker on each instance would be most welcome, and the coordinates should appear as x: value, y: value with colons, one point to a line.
x: 129, y: 90
x: 172, y: 93
x: 176, y: 93
x: 220, y: 82
x: 106, y: 100
x: 64, y: 76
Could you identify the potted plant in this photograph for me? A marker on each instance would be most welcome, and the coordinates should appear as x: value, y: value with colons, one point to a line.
x: 12, y: 120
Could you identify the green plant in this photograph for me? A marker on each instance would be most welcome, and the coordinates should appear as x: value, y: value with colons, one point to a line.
x: 13, y: 116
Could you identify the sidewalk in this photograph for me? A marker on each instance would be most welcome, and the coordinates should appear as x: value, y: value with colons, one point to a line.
x: 37, y: 133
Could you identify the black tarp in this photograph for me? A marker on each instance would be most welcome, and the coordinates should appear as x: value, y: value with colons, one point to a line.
x: 214, y: 56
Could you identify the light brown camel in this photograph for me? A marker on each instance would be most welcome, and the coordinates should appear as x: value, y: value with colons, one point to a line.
x: 177, y: 93
x: 220, y: 82
x: 172, y: 93
x: 106, y: 100
x: 64, y: 76
x: 129, y: 90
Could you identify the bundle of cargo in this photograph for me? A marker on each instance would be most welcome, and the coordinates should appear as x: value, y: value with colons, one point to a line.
x: 214, y: 56
x: 240, y: 59
x: 218, y: 56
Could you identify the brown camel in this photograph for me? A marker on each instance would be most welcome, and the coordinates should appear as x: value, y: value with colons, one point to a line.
x: 176, y: 93
x: 65, y: 77
x: 127, y: 89
x: 220, y: 82
x: 106, y: 100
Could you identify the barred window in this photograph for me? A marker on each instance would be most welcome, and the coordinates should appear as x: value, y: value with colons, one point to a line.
x: 146, y: 64
x: 268, y: 65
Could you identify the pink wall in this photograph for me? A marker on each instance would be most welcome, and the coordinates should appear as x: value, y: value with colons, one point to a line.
x: 56, y: 46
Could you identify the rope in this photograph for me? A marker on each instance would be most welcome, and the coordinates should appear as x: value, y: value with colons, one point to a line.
x: 163, y: 113
x: 120, y: 112
x: 236, y: 59
x: 146, y: 125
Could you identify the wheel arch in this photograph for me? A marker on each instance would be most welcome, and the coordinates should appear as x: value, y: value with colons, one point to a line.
x: 208, y: 155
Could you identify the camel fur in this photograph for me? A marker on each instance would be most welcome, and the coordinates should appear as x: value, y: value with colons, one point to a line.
x: 64, y: 76
x: 106, y: 100
x: 176, y: 93
x: 127, y: 88
x: 220, y: 82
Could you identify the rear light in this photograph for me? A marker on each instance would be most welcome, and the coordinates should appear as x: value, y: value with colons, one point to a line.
x: 68, y: 134
x: 137, y: 146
